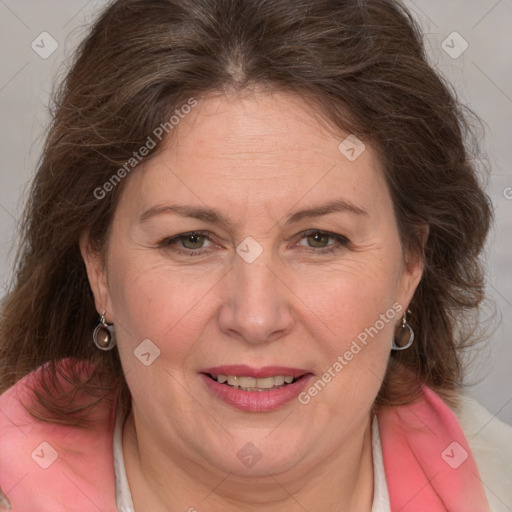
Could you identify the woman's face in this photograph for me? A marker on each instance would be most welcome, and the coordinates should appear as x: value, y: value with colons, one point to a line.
x: 296, y: 270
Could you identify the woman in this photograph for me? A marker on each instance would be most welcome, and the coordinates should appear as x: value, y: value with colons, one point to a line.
x: 248, y: 272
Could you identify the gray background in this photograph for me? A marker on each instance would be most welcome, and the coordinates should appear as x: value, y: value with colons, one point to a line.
x: 482, y: 77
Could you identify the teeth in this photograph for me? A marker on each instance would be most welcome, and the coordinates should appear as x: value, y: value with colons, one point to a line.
x: 279, y: 380
x: 252, y: 384
x: 233, y: 381
x: 265, y: 383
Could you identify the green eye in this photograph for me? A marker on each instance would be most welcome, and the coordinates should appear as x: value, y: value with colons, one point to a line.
x: 318, y: 239
x: 197, y: 243
x: 193, y: 241
x: 323, y: 241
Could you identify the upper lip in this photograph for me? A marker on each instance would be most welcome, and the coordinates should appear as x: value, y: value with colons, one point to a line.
x: 241, y: 370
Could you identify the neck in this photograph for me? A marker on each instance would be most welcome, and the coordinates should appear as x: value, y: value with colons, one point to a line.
x: 341, y: 482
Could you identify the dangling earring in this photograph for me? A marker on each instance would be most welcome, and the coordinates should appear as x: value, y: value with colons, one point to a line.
x: 104, y: 335
x: 404, y: 333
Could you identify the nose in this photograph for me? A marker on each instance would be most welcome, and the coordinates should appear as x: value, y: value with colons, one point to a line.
x: 256, y: 306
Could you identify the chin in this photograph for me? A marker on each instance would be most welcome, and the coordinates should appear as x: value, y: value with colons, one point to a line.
x: 257, y: 455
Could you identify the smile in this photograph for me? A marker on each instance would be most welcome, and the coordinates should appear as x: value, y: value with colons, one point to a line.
x: 253, y: 384
x: 255, y: 390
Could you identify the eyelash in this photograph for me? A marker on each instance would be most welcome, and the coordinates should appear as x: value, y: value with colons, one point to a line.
x: 341, y: 242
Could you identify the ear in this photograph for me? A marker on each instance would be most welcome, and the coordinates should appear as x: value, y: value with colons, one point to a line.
x: 414, y: 264
x: 96, y: 273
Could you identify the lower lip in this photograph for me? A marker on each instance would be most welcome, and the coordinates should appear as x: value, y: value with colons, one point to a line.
x: 257, y: 401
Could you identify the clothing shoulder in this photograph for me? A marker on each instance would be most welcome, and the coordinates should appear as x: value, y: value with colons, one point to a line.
x: 490, y: 440
x: 48, y: 466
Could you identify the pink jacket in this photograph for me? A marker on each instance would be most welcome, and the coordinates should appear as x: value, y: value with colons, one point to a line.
x: 53, y: 468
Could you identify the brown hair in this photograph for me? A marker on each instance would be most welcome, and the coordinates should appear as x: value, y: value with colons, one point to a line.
x: 362, y: 62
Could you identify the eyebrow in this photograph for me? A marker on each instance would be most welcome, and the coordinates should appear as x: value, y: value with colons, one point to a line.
x: 213, y: 216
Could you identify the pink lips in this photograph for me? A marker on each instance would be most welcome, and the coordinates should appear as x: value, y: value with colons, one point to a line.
x: 249, y: 371
x: 256, y: 401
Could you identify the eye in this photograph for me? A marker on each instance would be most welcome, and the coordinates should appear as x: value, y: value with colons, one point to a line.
x: 197, y: 243
x: 187, y: 243
x: 320, y: 240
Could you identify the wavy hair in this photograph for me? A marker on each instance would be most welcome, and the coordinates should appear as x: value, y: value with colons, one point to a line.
x: 364, y: 65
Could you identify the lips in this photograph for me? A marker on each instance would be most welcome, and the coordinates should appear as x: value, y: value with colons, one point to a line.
x: 255, y: 389
x: 253, y: 384
x: 249, y: 371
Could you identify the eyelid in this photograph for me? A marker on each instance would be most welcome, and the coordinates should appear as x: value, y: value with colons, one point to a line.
x: 341, y: 240
x: 172, y: 242
x: 308, y: 232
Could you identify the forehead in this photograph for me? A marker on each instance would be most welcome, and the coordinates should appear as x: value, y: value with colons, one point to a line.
x: 256, y: 124
x: 258, y: 148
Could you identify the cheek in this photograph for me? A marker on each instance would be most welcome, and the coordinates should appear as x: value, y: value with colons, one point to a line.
x: 354, y: 355
x: 362, y: 326
x: 352, y: 316
x: 150, y: 301
x: 346, y: 300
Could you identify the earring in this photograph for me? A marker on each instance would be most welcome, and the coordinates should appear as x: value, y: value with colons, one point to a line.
x: 104, y: 335
x: 404, y: 336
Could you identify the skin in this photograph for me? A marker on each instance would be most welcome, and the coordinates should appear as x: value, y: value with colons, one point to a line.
x: 255, y: 157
